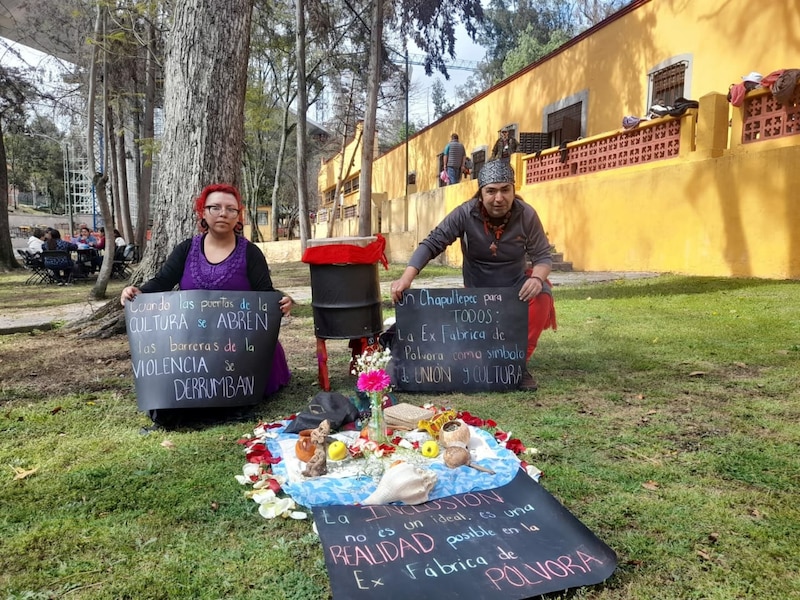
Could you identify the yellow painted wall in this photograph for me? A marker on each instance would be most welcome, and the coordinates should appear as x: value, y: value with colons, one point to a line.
x: 736, y: 215
x: 724, y: 40
x: 722, y: 209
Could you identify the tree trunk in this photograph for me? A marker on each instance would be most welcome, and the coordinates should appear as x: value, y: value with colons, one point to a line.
x: 278, y: 169
x: 302, y: 107
x: 99, y: 182
x: 205, y: 82
x: 7, y: 259
x: 122, y: 219
x: 368, y: 150
x: 148, y: 134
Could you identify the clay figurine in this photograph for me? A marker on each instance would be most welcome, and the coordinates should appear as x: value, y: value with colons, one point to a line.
x: 318, y: 463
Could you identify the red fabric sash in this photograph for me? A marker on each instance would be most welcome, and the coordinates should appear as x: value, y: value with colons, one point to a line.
x: 333, y: 254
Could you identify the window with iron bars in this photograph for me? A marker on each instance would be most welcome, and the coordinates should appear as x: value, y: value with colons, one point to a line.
x: 668, y: 83
x: 565, y: 125
x: 478, y: 160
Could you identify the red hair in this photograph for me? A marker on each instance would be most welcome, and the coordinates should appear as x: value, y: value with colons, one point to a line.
x: 225, y: 188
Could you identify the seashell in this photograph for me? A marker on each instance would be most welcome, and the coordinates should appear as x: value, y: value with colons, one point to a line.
x: 454, y: 431
x: 404, y: 483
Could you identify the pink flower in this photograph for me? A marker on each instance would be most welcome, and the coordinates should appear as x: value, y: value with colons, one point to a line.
x: 374, y: 381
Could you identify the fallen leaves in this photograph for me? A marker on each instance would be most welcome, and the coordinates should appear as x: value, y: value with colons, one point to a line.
x: 651, y: 485
x: 704, y: 555
x: 20, y: 473
x: 168, y: 444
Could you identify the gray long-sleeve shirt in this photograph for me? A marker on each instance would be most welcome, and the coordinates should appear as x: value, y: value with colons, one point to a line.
x: 523, y: 239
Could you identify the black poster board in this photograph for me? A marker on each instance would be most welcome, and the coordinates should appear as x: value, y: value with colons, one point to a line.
x: 201, y: 348
x: 511, y: 542
x: 460, y: 339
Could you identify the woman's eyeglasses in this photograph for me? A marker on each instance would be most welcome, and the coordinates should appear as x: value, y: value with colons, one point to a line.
x: 216, y: 210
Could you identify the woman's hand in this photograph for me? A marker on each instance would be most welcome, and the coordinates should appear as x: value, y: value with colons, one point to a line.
x: 128, y: 293
x: 286, y: 304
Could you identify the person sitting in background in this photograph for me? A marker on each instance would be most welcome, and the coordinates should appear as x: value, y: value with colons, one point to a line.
x: 62, y: 265
x: 101, y: 239
x: 85, y: 238
x: 36, y: 241
x: 119, y: 241
x: 219, y: 258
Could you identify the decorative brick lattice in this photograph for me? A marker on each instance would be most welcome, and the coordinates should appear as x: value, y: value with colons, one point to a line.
x: 765, y: 118
x: 644, y: 144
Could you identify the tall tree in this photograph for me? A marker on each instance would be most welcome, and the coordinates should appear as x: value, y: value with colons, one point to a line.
x: 368, y: 148
x: 529, y: 49
x: 527, y: 30
x: 204, y: 91
x: 14, y: 93
x: 302, y: 130
x: 439, y: 99
x: 431, y: 26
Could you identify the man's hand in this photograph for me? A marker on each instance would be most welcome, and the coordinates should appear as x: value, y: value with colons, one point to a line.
x: 401, y: 285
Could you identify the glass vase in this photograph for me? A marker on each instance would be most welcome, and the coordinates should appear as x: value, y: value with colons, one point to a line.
x: 376, y: 426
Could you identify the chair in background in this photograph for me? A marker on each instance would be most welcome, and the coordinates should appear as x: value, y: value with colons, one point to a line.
x: 60, y: 264
x: 123, y: 257
x: 33, y: 263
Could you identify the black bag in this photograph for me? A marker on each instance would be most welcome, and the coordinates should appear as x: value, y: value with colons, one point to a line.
x: 335, y: 407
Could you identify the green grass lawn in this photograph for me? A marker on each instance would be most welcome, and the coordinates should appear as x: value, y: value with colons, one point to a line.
x: 667, y: 421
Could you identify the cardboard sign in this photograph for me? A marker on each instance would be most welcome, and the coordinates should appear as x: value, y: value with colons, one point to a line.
x: 511, y: 542
x: 463, y: 339
x: 202, y: 348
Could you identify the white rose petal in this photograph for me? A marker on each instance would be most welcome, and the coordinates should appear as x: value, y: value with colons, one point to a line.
x: 262, y: 496
x: 251, y: 470
x: 270, y: 510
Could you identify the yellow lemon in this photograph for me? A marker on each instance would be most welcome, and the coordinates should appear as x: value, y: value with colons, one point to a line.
x: 337, y: 450
x: 430, y: 449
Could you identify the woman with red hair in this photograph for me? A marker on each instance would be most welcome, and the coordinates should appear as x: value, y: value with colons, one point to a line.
x: 219, y: 258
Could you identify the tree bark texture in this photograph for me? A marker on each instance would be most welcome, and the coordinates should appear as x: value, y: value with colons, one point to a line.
x: 368, y: 150
x: 148, y: 134
x: 205, y: 82
x: 302, y: 140
x: 7, y: 258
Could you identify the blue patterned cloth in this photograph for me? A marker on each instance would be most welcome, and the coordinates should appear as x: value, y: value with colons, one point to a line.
x: 350, y: 481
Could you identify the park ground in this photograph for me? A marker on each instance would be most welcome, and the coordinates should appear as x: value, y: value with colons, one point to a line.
x: 667, y: 421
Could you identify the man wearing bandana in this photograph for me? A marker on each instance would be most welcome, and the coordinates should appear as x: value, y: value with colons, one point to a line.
x: 500, y: 235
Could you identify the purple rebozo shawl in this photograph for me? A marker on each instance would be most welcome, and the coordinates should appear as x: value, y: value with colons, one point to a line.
x: 230, y: 274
